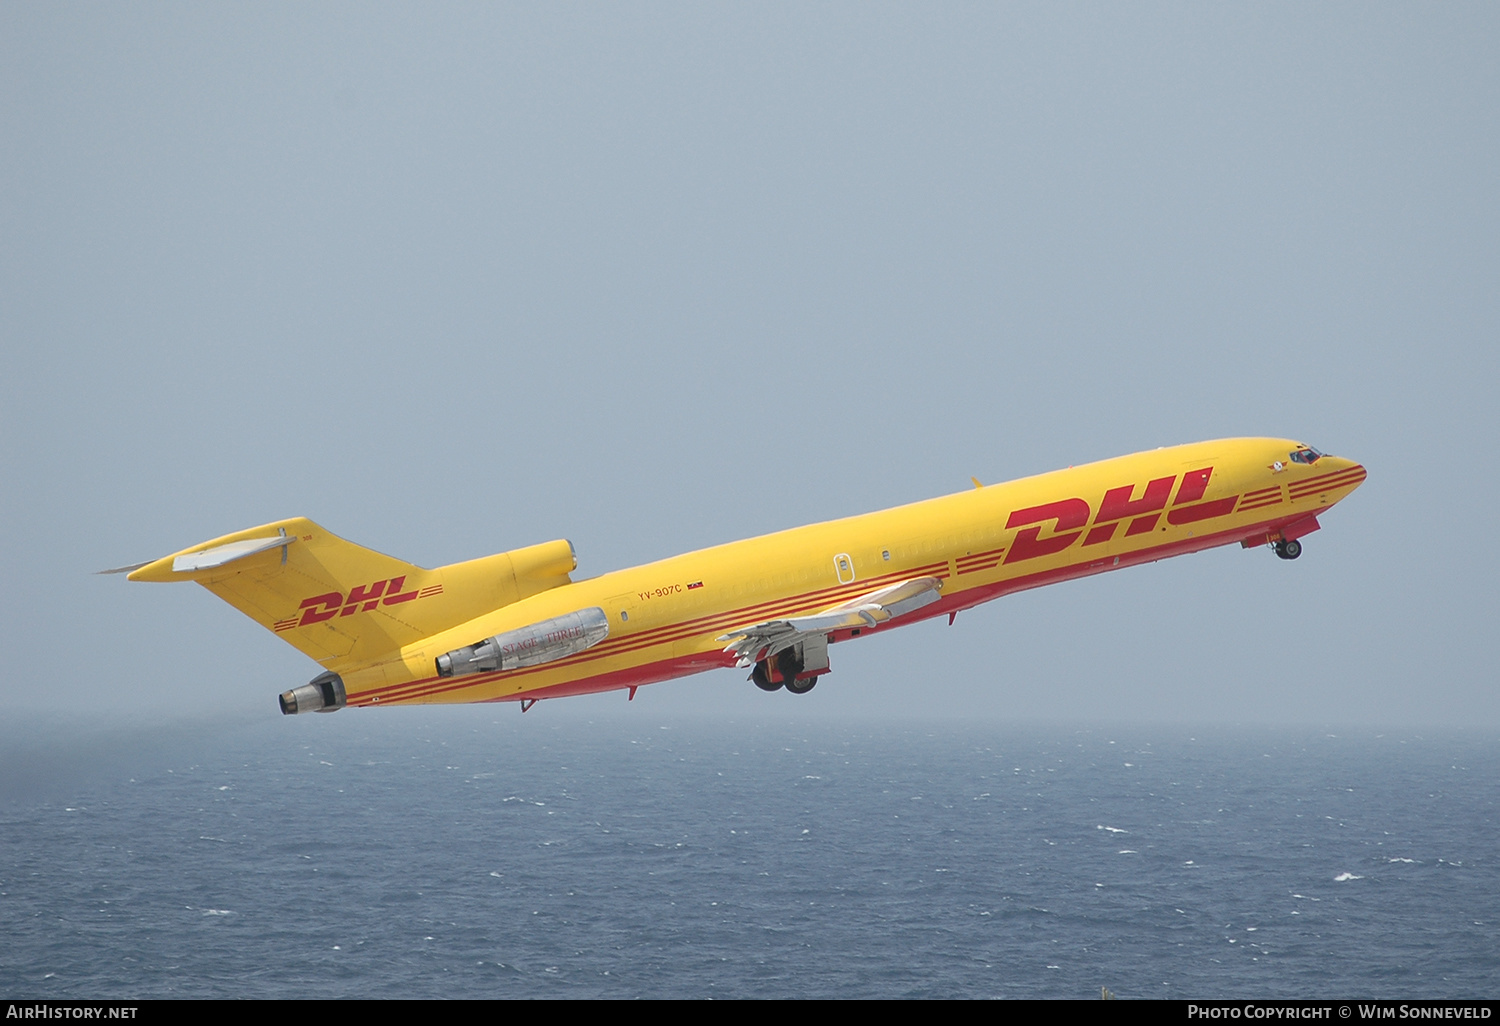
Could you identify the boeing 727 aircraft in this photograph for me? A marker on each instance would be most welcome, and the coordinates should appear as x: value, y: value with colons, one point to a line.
x: 516, y: 627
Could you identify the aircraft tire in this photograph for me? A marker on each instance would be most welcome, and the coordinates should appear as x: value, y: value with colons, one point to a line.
x: 1290, y: 549
x: 801, y: 687
x: 762, y: 678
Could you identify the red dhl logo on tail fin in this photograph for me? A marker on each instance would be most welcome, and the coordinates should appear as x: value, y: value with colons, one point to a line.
x: 361, y: 599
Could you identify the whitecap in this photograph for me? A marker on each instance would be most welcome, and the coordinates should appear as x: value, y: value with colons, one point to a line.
x: 1347, y: 876
x: 1113, y: 830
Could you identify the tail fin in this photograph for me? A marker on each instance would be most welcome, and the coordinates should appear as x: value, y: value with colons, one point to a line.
x: 345, y: 605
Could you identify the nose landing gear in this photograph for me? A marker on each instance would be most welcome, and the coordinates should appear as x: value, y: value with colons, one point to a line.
x: 1289, y: 549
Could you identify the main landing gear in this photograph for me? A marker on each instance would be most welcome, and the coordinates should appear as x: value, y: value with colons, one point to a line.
x: 761, y: 675
x: 1288, y: 549
x: 788, y: 666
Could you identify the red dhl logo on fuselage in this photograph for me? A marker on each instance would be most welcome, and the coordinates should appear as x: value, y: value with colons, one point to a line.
x: 362, y: 599
x: 1119, y: 506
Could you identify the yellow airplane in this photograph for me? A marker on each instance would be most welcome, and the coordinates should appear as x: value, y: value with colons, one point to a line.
x: 516, y: 627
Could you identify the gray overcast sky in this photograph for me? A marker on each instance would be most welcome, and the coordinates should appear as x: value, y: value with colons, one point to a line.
x: 453, y: 279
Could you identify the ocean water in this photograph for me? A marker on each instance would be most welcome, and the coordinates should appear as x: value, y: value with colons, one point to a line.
x: 478, y: 853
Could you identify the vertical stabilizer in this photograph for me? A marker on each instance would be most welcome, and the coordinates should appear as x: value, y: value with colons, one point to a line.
x: 345, y: 605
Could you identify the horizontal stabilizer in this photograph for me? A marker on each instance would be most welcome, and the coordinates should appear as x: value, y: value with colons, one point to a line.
x: 124, y: 569
x: 221, y: 554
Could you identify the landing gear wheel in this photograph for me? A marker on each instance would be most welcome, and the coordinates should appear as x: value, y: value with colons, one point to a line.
x: 802, y: 686
x: 788, y: 665
x: 1289, y: 549
x: 762, y: 677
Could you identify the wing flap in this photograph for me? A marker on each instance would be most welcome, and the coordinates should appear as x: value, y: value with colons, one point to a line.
x: 764, y: 640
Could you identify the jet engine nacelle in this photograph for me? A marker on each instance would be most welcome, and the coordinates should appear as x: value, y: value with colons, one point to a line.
x: 532, y: 645
x: 324, y: 693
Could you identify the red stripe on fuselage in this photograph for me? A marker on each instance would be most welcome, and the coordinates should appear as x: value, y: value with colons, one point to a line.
x: 1327, y: 482
x: 743, y: 617
x: 679, y: 666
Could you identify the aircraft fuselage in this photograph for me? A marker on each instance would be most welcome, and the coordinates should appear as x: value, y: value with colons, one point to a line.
x: 824, y: 583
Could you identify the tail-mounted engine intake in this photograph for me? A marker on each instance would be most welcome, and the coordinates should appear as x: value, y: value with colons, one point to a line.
x: 536, y: 643
x: 324, y: 693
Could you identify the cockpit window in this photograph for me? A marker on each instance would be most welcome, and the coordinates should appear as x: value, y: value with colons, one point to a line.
x: 1308, y: 455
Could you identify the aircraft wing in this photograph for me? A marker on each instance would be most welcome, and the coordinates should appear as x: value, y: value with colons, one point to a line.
x: 764, y: 640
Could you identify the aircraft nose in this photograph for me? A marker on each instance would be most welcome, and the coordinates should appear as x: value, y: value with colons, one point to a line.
x: 1349, y: 474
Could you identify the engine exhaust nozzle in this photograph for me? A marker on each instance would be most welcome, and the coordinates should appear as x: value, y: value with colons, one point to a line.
x: 324, y: 693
